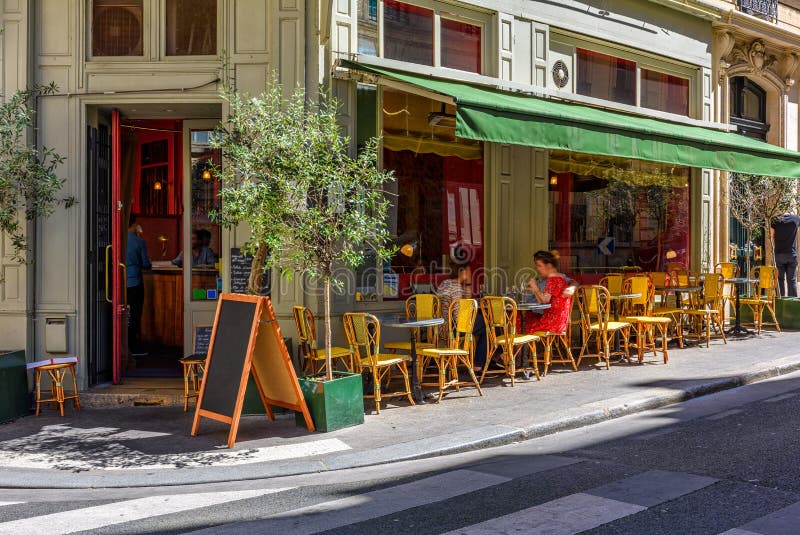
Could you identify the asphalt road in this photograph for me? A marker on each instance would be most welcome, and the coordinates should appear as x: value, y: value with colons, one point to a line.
x: 726, y: 463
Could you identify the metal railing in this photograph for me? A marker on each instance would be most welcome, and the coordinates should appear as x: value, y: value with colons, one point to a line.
x: 765, y: 9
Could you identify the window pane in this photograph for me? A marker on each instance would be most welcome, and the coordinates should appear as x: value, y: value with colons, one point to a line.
x: 665, y: 93
x: 461, y: 46
x: 117, y: 28
x: 642, y: 207
x: 191, y: 27
x: 606, y: 77
x: 407, y: 32
x: 205, y: 246
x: 368, y: 27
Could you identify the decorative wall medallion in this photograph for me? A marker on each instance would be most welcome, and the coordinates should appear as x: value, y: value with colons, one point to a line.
x: 560, y: 74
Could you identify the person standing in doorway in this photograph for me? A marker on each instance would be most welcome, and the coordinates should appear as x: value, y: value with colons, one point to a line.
x: 136, y: 260
x: 783, y: 230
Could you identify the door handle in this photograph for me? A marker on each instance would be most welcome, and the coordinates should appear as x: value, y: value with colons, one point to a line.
x: 108, y: 252
x: 125, y: 278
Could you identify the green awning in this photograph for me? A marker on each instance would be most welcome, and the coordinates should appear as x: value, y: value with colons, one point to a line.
x: 502, y: 117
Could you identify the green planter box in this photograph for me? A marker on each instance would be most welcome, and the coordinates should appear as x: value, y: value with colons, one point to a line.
x: 333, y: 404
x: 14, y: 396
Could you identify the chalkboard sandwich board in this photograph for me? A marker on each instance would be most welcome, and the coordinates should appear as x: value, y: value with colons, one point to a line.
x: 245, y: 339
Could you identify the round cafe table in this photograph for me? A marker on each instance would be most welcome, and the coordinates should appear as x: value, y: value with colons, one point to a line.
x: 737, y: 329
x: 413, y: 326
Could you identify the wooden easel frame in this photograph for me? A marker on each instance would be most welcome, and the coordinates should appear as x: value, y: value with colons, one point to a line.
x: 233, y: 421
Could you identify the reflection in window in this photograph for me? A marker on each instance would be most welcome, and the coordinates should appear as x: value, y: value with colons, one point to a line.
x: 204, y: 248
x: 665, y: 92
x: 117, y: 28
x: 461, y: 46
x: 606, y: 77
x: 407, y: 32
x: 191, y: 27
x: 368, y: 27
x: 640, y: 210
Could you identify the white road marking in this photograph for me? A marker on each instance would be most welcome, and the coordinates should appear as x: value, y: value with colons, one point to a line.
x: 346, y: 511
x: 63, y: 447
x: 92, y: 518
x: 567, y: 515
x: 3, y: 504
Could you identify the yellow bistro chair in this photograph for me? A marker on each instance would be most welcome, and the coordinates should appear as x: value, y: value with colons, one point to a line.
x: 313, y: 359
x: 594, y: 303
x: 460, y: 352
x: 500, y: 317
x: 420, y: 307
x: 763, y: 296
x: 709, y: 312
x: 645, y: 324
x: 364, y: 334
x: 728, y: 270
x: 613, y: 283
x: 562, y: 342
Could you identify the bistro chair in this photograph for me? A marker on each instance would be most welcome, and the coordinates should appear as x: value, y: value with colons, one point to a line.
x: 420, y: 307
x: 613, y: 283
x: 662, y: 306
x: 460, y: 351
x: 364, y: 335
x: 500, y: 316
x: 594, y: 303
x: 313, y: 359
x: 709, y: 312
x: 728, y: 270
x: 562, y: 341
x: 660, y: 279
x: 645, y: 324
x: 763, y: 296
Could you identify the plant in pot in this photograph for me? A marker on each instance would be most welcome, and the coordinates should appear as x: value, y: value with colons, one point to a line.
x: 310, y: 207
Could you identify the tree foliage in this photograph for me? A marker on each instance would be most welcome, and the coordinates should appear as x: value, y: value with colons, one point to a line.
x: 309, y: 205
x: 29, y: 185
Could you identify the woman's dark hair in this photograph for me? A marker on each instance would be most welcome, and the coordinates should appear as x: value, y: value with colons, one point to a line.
x: 546, y: 257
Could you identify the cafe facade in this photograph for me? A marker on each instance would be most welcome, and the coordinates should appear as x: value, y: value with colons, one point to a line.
x: 600, y: 129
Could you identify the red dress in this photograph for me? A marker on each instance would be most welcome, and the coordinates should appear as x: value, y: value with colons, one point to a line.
x: 556, y: 318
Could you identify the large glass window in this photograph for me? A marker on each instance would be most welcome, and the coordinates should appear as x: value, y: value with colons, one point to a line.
x: 461, y: 45
x: 608, y: 213
x: 606, y: 77
x: 205, y: 246
x: 117, y: 28
x: 191, y: 27
x: 407, y: 32
x: 665, y: 92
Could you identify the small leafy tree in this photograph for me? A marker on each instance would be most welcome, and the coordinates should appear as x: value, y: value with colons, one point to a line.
x: 309, y: 204
x: 755, y: 200
x: 29, y: 185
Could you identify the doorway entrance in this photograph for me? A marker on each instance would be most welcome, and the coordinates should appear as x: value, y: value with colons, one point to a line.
x: 154, y: 250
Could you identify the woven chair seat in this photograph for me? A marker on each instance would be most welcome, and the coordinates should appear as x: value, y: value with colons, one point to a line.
x: 520, y: 339
x: 667, y: 310
x: 336, y: 352
x: 443, y: 351
x: 755, y: 301
x: 611, y: 326
x: 406, y: 346
x: 385, y: 359
x: 647, y: 319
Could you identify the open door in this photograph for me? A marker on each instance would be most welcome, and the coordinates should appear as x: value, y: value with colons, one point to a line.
x: 115, y: 268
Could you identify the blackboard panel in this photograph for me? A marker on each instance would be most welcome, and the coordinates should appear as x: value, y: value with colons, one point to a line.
x: 241, y: 265
x: 202, y: 339
x: 223, y: 374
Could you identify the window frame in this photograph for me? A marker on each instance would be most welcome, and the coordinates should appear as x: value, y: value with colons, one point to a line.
x: 146, y: 13
x: 450, y: 12
x: 640, y: 67
x: 162, y: 37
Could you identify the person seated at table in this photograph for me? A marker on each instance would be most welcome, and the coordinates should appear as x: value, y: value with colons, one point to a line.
x: 556, y: 292
x: 201, y: 254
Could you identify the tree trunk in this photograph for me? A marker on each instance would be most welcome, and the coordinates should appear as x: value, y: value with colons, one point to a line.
x: 257, y: 270
x: 327, y: 299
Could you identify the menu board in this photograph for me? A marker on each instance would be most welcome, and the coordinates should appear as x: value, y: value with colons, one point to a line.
x: 241, y: 265
x: 202, y: 339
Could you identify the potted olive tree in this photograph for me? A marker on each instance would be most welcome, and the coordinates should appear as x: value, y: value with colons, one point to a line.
x: 310, y: 207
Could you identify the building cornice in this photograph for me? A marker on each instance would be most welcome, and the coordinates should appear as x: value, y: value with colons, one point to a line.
x: 698, y: 8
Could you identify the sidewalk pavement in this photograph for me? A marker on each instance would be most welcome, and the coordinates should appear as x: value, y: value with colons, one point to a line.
x: 151, y: 446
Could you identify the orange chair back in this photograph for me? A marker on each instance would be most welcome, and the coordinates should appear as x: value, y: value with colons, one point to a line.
x: 613, y: 283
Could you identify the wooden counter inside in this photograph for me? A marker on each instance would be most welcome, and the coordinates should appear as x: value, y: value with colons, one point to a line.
x: 162, y: 318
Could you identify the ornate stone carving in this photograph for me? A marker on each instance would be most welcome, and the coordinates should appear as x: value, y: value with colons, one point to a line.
x: 788, y: 66
x: 756, y: 56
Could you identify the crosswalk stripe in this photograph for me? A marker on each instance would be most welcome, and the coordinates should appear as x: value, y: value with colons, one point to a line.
x: 780, y: 521
x: 100, y: 516
x: 370, y: 505
x: 567, y: 515
x: 3, y: 504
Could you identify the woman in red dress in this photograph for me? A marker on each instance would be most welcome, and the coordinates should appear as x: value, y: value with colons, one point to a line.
x: 556, y: 318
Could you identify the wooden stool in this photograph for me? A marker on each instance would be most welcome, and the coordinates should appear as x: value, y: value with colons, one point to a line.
x: 56, y: 373
x: 193, y: 367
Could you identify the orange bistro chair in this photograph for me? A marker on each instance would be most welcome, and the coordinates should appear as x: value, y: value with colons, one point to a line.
x: 763, y: 296
x: 313, y: 359
x: 420, y: 307
x: 708, y: 313
x: 594, y: 303
x: 640, y: 315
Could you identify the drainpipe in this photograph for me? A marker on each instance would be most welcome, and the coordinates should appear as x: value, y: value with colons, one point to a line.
x: 33, y: 226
